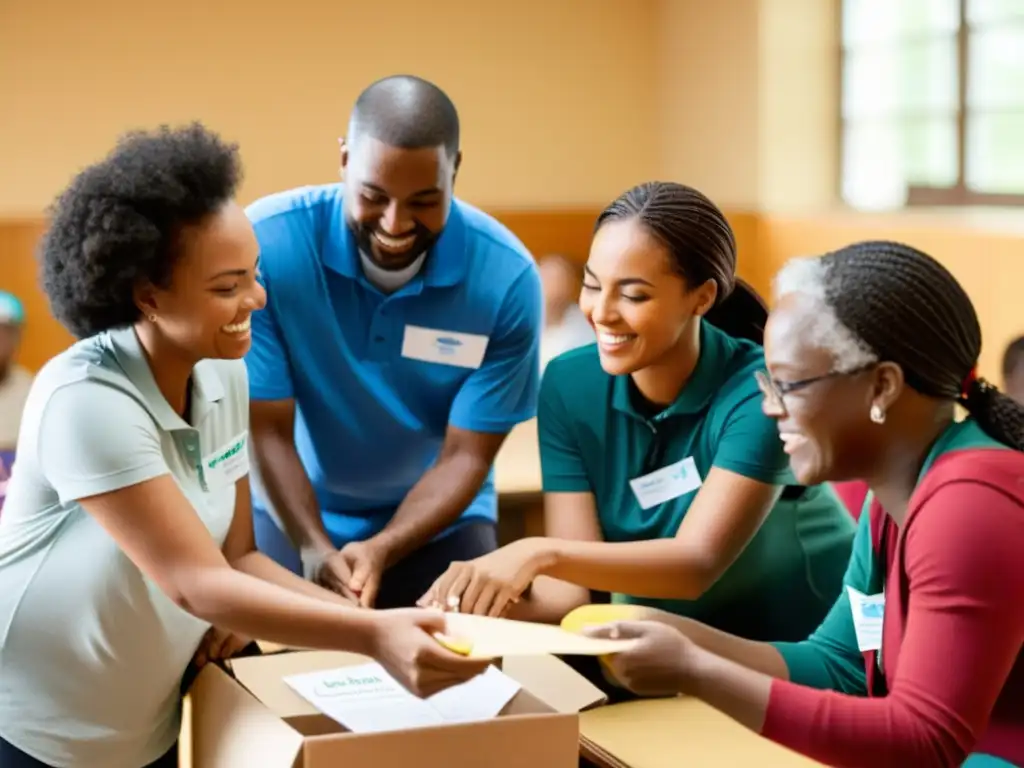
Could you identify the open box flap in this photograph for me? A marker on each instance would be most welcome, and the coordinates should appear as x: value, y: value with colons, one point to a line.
x: 228, y: 725
x: 264, y: 676
x: 554, y: 682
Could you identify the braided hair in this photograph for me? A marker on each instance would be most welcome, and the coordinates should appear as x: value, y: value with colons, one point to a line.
x: 906, y: 308
x: 702, y: 245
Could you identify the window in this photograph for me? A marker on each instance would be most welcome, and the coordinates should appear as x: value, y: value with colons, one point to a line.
x: 932, y: 102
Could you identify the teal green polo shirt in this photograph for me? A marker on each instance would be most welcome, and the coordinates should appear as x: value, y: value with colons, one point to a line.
x: 645, y: 466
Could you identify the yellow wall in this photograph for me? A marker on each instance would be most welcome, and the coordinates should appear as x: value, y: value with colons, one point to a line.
x: 565, y: 103
x: 558, y: 97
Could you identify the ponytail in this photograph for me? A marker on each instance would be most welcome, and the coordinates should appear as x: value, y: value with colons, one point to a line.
x: 742, y: 314
x: 999, y: 415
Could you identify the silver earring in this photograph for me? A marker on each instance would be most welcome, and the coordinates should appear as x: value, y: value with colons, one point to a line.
x: 877, y: 414
x: 152, y: 318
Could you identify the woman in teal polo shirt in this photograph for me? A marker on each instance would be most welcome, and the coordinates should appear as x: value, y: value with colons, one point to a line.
x: 664, y: 482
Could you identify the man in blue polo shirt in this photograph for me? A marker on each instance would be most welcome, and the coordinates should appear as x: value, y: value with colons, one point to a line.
x: 399, y: 345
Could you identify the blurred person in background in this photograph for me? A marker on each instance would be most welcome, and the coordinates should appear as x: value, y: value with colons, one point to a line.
x: 15, y: 381
x: 1013, y: 369
x: 565, y: 325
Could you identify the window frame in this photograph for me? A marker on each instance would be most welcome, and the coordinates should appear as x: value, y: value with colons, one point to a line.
x: 926, y: 196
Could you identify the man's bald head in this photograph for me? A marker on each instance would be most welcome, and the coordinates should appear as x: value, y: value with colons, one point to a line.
x: 408, y: 112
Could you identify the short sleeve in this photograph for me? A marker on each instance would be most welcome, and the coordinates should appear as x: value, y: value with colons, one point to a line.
x: 561, y: 460
x: 502, y: 392
x: 270, y: 376
x: 95, y: 438
x: 749, y: 443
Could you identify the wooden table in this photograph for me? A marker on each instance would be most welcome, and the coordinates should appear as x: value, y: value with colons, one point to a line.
x: 517, y: 479
x: 517, y: 466
x: 668, y: 733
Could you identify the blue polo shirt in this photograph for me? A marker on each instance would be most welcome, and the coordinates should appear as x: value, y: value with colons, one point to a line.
x: 378, y: 378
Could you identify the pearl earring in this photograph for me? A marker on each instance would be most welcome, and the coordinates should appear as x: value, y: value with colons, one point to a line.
x: 877, y: 414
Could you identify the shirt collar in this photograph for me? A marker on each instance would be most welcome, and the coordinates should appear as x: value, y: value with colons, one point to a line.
x: 446, y: 264
x: 716, y: 348
x: 207, y: 386
x: 390, y: 280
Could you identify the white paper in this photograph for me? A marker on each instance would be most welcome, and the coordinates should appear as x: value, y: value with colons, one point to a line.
x: 366, y: 699
x: 666, y: 483
x: 868, y: 615
x: 431, y: 345
x: 493, y: 638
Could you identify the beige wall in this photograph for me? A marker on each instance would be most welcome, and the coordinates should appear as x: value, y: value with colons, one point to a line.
x: 564, y: 102
x: 748, y: 101
x: 798, y: 88
x: 709, y: 97
x: 559, y: 98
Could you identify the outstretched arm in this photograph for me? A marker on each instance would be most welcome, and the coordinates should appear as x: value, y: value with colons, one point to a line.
x: 963, y: 636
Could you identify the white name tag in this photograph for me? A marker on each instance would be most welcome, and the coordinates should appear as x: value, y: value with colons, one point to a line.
x: 228, y: 463
x: 868, y: 612
x: 464, y: 350
x: 666, y: 483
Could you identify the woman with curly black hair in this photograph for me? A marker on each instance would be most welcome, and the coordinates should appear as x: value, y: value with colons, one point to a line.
x: 126, y: 544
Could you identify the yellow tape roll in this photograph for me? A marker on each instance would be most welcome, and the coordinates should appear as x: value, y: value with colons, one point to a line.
x: 455, y: 645
x: 589, y: 615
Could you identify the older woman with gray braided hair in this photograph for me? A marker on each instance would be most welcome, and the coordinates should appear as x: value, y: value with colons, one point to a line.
x: 919, y: 663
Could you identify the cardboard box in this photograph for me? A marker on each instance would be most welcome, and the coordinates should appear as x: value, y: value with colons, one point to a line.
x: 248, y: 717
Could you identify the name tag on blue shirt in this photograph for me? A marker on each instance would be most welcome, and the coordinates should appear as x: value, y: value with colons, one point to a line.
x: 666, y: 483
x: 463, y: 350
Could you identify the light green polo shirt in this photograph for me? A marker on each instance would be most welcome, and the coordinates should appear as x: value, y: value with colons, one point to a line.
x: 91, y: 651
x: 598, y: 435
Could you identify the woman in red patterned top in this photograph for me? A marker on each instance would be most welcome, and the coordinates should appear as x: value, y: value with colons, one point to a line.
x: 919, y: 663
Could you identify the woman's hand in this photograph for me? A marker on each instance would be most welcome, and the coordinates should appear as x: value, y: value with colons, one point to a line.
x: 489, y: 585
x: 404, y: 643
x: 218, y: 644
x: 658, y: 664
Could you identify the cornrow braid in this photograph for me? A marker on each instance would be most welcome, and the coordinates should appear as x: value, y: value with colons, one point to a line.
x: 703, y: 247
x: 910, y: 310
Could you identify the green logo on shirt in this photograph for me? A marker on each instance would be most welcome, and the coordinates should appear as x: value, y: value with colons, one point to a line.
x: 233, y: 450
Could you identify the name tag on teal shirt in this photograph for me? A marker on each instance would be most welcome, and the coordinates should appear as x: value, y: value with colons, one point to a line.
x: 666, y: 483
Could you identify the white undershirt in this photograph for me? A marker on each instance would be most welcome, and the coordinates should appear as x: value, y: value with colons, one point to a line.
x: 390, y: 280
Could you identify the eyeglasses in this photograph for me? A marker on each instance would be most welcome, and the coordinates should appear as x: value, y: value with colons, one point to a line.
x: 774, y: 391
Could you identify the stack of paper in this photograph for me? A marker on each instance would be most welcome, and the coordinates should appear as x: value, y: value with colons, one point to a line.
x: 365, y: 698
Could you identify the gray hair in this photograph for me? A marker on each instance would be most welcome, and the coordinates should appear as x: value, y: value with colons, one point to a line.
x: 809, y: 277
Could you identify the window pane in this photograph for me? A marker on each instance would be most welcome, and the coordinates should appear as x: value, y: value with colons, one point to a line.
x: 988, y: 11
x: 913, y: 78
x: 996, y: 72
x: 883, y: 158
x: 995, y: 152
x: 929, y: 152
x: 872, y: 21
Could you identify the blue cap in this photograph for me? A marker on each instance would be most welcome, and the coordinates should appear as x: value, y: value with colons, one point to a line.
x: 11, y: 310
